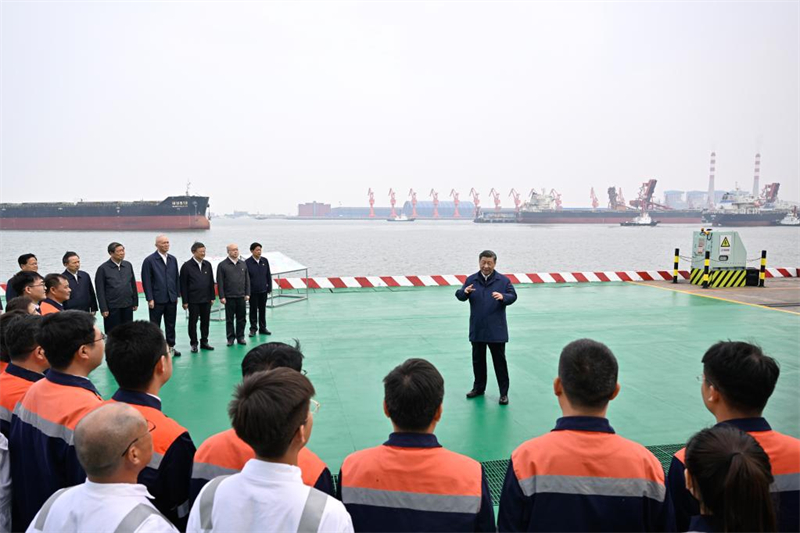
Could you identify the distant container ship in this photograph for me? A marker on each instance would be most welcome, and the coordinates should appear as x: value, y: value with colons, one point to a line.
x: 173, y: 213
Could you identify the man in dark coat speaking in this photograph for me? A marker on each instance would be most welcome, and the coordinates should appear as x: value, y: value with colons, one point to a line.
x: 489, y: 293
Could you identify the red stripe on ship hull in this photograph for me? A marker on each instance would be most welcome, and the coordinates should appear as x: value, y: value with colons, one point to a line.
x: 106, y: 223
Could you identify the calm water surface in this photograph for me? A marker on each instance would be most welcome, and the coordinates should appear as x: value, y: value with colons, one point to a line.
x: 367, y: 248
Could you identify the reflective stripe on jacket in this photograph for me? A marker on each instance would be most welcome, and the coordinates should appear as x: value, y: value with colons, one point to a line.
x: 225, y: 454
x: 41, y: 441
x: 583, y: 477
x: 411, y: 483
x: 784, y: 456
x: 168, y: 474
x: 14, y: 383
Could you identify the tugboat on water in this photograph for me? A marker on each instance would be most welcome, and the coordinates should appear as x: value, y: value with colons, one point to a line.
x: 642, y: 220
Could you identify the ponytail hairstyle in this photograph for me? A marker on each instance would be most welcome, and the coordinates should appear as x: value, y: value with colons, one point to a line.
x: 732, y: 476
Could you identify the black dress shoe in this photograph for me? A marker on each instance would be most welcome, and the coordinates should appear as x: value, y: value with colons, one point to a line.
x: 252, y: 333
x: 175, y: 353
x: 503, y: 400
x: 230, y: 342
x: 207, y: 347
x: 242, y: 341
x: 194, y: 348
x: 474, y: 394
x: 265, y: 332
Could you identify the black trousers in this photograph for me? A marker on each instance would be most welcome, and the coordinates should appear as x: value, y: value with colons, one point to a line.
x: 203, y: 312
x: 235, y: 308
x: 498, y: 350
x: 258, y: 310
x: 117, y: 317
x: 169, y: 311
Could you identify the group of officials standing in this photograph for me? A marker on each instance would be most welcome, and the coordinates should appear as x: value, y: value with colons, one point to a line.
x: 115, y: 293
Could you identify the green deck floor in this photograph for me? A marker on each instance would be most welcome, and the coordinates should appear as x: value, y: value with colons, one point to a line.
x: 351, y: 339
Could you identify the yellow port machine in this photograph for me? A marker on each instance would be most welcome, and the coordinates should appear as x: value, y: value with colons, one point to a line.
x: 719, y: 259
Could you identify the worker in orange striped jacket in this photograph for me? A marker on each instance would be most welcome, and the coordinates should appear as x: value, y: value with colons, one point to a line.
x: 225, y: 453
x: 582, y: 476
x: 42, y: 425
x: 57, y: 291
x: 736, y: 384
x: 412, y: 483
x: 140, y: 359
x: 27, y: 364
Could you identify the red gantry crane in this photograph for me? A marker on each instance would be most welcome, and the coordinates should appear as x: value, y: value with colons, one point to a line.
x: 413, y: 196
x: 644, y: 202
x: 593, y: 196
x: 371, y: 203
x: 496, y: 197
x: 392, y: 201
x: 476, y: 199
x: 454, y: 195
x: 517, y: 201
x: 557, y: 197
x: 435, y: 196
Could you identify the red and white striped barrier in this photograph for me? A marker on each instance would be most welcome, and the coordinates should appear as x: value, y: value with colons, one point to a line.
x: 366, y: 282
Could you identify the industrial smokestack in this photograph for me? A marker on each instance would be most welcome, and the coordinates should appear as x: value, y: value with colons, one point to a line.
x: 756, y: 177
x: 710, y: 200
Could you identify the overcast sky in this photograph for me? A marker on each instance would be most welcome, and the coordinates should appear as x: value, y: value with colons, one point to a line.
x: 266, y: 105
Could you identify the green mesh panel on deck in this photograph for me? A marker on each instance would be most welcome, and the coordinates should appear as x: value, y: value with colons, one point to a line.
x: 496, y: 470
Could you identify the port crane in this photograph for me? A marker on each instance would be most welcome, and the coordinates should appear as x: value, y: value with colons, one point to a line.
x: 644, y: 202
x: 593, y: 196
x: 435, y: 196
x: 517, y: 201
x: 556, y: 197
x: 392, y: 201
x: 615, y: 200
x: 496, y: 197
x: 371, y: 203
x: 454, y: 195
x: 413, y: 196
x: 476, y: 199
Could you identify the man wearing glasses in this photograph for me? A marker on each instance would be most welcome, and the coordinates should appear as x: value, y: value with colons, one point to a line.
x: 272, y: 413
x: 42, y: 426
x: 139, y: 358
x: 110, y: 499
x: 30, y: 284
x: 225, y: 453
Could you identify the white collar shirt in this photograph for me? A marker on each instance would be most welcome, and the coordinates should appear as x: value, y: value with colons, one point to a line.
x: 164, y: 258
x: 267, y: 497
x: 75, y: 275
x: 100, y: 507
x: 199, y: 263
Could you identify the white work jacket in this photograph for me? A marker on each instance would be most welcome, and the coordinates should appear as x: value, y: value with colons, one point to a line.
x: 100, y: 508
x: 268, y: 497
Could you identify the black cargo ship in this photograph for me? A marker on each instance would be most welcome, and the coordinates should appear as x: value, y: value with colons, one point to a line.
x: 173, y: 213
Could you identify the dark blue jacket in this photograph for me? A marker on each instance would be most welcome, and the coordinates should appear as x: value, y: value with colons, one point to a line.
x: 82, y: 297
x: 161, y: 281
x: 487, y: 316
x: 260, y: 275
x: 10, y: 293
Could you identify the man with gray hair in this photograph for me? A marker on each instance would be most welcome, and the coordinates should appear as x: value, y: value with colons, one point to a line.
x: 161, y: 283
x: 113, y: 445
x: 233, y: 285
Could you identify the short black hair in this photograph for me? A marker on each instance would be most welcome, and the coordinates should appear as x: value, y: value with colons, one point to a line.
x: 133, y: 351
x: 24, y: 258
x: 67, y: 257
x: 741, y: 372
x: 588, y: 372
x: 5, y: 319
x: 113, y: 247
x: 255, y: 245
x: 268, y: 408
x: 488, y: 253
x: 197, y: 245
x: 413, y: 391
x: 23, y: 279
x: 20, y: 335
x: 52, y: 281
x: 272, y: 355
x: 19, y: 303
x: 62, y: 334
